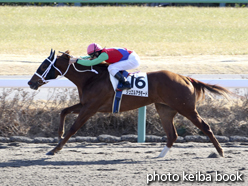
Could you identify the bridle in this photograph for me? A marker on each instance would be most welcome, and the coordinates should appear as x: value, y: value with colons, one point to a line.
x: 45, y: 73
x: 52, y: 64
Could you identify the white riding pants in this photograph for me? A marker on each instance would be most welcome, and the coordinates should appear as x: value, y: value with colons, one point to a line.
x: 132, y: 62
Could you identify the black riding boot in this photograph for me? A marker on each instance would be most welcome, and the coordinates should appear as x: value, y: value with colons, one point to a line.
x: 122, y: 79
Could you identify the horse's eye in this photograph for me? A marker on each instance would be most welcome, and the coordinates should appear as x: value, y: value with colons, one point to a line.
x: 44, y: 67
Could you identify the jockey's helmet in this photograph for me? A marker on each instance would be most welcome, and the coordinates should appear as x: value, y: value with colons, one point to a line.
x: 93, y: 47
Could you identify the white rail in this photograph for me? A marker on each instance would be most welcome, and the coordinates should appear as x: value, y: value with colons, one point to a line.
x: 64, y: 83
x: 23, y: 83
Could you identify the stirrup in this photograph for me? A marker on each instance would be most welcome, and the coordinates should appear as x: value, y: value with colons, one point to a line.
x: 125, y: 86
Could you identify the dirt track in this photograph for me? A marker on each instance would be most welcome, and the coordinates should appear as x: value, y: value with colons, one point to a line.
x: 121, y: 164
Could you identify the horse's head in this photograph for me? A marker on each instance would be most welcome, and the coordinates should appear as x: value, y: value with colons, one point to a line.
x: 46, y: 71
x: 52, y: 67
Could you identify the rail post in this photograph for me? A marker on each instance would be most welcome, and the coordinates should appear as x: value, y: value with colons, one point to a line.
x: 142, y: 125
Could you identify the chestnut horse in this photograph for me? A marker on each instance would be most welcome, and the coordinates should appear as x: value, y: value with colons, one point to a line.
x: 171, y: 93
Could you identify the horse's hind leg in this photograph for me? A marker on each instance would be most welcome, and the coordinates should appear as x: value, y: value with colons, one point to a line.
x: 75, y: 109
x: 196, y: 119
x: 167, y: 114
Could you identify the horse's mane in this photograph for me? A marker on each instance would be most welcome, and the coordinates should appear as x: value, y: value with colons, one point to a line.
x: 101, y: 65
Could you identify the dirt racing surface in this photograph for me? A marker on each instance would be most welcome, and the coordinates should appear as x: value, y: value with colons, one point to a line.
x: 123, y: 163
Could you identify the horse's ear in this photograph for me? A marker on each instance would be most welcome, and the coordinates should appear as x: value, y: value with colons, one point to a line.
x: 51, y: 54
x: 52, y: 57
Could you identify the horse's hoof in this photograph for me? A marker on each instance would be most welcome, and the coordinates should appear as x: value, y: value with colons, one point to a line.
x: 221, y: 154
x: 164, y: 152
x: 50, y: 153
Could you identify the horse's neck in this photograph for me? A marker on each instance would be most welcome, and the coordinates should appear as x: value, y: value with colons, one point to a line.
x: 80, y: 79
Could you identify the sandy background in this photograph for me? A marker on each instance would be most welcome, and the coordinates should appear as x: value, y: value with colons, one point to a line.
x: 123, y: 163
x: 207, y: 64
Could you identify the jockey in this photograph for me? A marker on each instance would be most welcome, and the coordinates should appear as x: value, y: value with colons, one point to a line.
x: 117, y: 58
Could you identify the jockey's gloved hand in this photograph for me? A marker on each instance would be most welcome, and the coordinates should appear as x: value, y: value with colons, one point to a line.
x: 73, y: 60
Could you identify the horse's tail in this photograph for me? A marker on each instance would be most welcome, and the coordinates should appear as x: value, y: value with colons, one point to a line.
x: 200, y: 88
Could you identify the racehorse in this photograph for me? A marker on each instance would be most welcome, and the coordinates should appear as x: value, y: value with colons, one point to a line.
x: 170, y: 92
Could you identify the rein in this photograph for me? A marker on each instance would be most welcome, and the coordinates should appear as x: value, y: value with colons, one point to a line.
x: 43, y: 76
x: 91, y: 70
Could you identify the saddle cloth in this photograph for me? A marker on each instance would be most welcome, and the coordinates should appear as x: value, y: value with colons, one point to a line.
x: 138, y: 81
x: 139, y: 85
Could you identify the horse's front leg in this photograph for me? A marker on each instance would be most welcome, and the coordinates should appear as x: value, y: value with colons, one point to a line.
x: 85, y: 113
x: 75, y: 109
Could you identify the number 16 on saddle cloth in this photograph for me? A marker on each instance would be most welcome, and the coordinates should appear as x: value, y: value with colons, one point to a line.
x: 139, y: 85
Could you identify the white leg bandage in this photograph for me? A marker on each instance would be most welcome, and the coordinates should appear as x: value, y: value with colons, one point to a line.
x: 164, y: 151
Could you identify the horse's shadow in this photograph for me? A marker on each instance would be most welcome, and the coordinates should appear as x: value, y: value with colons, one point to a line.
x: 46, y: 162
